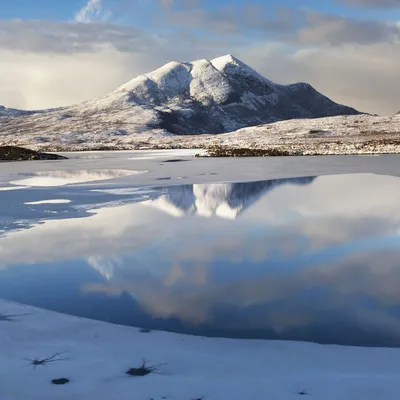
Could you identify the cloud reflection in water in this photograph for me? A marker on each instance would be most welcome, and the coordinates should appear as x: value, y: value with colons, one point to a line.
x: 309, y: 259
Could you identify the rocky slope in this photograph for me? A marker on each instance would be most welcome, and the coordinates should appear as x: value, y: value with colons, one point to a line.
x: 202, y: 97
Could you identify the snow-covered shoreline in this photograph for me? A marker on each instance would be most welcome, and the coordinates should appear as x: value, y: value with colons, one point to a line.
x: 95, y: 356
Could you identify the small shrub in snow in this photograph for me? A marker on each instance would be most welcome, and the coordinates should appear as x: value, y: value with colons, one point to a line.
x: 143, y: 370
x: 44, y: 361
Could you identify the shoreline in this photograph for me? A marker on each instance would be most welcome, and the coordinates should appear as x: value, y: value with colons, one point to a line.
x: 369, y: 147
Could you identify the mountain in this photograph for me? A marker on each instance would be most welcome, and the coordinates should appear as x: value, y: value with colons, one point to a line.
x: 222, y: 95
x: 224, y: 200
x: 217, y: 96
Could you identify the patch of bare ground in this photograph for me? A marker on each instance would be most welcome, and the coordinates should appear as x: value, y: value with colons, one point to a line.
x: 343, y: 147
x: 217, y: 151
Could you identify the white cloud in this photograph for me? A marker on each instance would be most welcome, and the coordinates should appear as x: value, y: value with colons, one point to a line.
x: 91, y: 12
x: 35, y: 80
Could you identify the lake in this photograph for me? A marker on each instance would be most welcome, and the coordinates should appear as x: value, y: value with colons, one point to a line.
x: 311, y: 259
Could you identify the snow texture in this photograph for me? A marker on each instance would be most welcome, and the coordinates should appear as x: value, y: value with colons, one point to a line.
x: 53, y: 201
x: 95, y: 356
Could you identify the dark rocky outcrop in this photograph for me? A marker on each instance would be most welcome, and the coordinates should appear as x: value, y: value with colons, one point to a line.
x: 14, y: 153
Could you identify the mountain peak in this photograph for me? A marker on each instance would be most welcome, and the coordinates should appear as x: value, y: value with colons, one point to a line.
x: 226, y: 59
x: 230, y: 62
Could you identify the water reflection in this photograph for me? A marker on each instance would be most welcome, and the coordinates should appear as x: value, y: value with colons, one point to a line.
x: 61, y: 178
x: 219, y: 199
x: 303, y: 259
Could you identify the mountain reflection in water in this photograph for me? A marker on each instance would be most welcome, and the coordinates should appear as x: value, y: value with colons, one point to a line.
x: 220, y: 199
x: 301, y: 259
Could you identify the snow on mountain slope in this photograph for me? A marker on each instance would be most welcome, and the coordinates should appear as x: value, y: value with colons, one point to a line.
x: 201, y: 97
x: 222, y: 95
x: 14, y: 112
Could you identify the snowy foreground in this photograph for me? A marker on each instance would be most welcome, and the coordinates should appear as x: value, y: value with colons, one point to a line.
x: 95, y: 356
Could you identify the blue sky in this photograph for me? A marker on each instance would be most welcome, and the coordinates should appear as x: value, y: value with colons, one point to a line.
x: 42, y: 9
x: 347, y: 49
x: 65, y: 10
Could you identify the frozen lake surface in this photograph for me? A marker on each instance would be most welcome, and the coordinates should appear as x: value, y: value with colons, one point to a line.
x: 309, y: 258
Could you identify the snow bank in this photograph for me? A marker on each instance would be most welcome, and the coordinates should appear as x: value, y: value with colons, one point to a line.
x: 95, y: 356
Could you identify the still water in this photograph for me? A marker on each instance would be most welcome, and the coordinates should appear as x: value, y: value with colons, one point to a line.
x: 313, y: 258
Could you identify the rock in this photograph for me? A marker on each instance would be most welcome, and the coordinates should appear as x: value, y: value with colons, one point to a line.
x: 14, y: 153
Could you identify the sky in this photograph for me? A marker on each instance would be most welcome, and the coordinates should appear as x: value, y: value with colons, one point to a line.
x: 56, y: 53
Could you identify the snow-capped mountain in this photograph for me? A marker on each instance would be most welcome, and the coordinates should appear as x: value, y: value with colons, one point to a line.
x: 224, y: 200
x: 217, y: 96
x: 221, y: 95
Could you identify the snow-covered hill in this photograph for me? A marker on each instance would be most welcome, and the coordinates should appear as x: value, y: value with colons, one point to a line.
x: 222, y: 95
x: 201, y: 97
